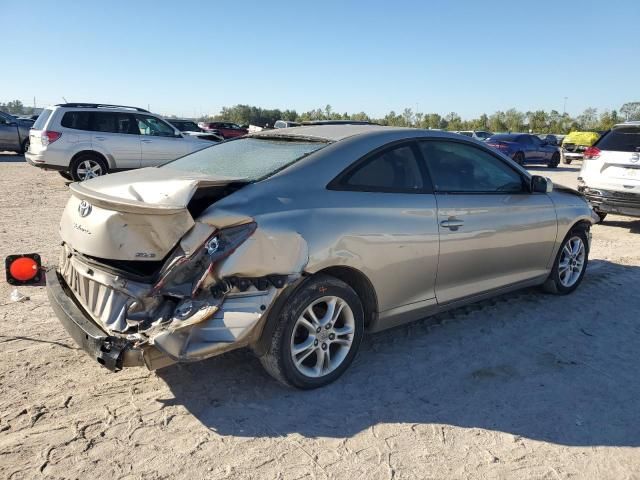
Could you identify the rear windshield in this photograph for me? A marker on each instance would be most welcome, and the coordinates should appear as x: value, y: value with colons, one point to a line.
x: 42, y: 119
x: 247, y: 158
x: 622, y: 139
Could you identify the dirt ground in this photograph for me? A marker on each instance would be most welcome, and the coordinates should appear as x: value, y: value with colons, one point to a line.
x: 524, y: 386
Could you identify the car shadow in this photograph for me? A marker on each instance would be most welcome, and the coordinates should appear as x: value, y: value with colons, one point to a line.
x: 632, y: 224
x: 10, y: 157
x: 559, y: 369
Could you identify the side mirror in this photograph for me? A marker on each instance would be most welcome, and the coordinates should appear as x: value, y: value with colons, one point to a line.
x: 541, y: 184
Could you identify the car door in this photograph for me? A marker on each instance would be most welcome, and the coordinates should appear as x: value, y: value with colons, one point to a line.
x: 114, y: 134
x: 159, y: 141
x: 9, y: 133
x: 387, y: 212
x: 540, y: 149
x: 493, y: 231
x: 528, y: 149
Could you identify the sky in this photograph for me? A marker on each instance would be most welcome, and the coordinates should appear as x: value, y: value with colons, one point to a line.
x: 190, y: 58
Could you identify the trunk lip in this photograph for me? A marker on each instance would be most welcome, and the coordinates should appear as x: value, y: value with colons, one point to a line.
x: 104, y: 200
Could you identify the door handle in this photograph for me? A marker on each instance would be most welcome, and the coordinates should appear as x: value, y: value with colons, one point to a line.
x: 453, y: 223
x: 100, y: 138
x: 146, y: 141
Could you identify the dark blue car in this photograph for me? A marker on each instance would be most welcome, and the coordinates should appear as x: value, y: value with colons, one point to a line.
x: 525, y: 148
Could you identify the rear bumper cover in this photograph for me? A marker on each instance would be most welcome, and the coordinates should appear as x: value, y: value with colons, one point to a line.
x: 608, y: 201
x: 110, y: 351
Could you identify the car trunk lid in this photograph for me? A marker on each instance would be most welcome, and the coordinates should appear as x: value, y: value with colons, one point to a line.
x: 139, y: 215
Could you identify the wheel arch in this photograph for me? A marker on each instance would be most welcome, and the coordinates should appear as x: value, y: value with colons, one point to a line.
x: 92, y: 152
x: 357, y: 280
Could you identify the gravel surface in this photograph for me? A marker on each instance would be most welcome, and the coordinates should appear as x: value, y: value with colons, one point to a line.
x: 524, y: 386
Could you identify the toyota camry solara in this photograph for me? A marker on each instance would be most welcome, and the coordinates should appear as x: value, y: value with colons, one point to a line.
x: 294, y: 242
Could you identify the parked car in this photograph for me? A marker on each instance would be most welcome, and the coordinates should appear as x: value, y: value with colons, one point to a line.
x: 295, y: 241
x: 575, y: 143
x: 14, y: 133
x: 224, y: 129
x: 285, y: 124
x: 610, y: 173
x: 477, y: 134
x: 525, y: 148
x: 86, y: 140
x: 189, y: 127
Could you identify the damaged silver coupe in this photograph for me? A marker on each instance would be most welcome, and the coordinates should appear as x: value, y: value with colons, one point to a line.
x: 293, y: 242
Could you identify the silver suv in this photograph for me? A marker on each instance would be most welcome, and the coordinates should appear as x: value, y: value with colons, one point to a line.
x: 610, y: 174
x: 87, y: 140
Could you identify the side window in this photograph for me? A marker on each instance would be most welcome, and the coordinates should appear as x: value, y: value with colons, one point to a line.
x: 535, y: 140
x: 77, y: 120
x: 148, y: 125
x: 524, y: 140
x: 393, y: 170
x: 460, y: 168
x: 112, y: 122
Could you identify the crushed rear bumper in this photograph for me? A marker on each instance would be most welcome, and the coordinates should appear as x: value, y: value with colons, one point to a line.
x: 110, y: 351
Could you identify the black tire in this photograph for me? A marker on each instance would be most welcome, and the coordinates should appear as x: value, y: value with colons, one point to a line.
x: 566, y: 161
x: 519, y: 158
x: 278, y: 361
x: 553, y: 284
x: 65, y: 175
x: 87, y: 157
x: 555, y: 160
x: 25, y: 147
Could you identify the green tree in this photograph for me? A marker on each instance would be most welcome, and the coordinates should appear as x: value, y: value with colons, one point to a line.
x: 630, y: 111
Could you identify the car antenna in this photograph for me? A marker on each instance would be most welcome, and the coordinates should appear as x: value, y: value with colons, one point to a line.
x: 65, y: 100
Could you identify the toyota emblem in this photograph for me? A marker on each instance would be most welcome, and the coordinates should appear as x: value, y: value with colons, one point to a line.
x: 84, y: 208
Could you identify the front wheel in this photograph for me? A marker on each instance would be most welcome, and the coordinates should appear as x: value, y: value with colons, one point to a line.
x: 570, y: 264
x: 318, y: 334
x: 566, y: 160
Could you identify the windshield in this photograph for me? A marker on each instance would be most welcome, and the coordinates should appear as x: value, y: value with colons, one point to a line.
x: 246, y: 158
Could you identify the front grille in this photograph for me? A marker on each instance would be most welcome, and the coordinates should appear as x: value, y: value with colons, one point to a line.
x: 107, y: 306
x: 609, y: 197
x: 572, y: 147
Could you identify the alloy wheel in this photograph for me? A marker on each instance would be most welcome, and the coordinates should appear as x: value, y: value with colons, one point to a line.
x: 571, y: 261
x: 322, y: 336
x: 89, y: 169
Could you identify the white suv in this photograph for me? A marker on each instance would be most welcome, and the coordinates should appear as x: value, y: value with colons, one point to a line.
x: 86, y: 140
x: 610, y: 174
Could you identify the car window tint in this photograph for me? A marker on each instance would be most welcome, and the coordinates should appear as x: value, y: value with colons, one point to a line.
x: 395, y: 169
x: 622, y: 139
x: 148, y: 125
x: 77, y: 120
x: 111, y: 122
x: 535, y: 140
x: 524, y: 140
x: 459, y: 168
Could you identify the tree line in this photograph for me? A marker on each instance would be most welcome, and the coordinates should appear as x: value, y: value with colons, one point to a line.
x: 539, y: 121
x: 512, y: 120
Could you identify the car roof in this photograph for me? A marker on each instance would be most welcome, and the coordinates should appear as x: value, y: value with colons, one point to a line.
x: 335, y: 133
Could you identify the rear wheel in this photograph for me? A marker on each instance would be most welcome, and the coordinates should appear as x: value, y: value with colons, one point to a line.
x: 25, y: 146
x: 519, y: 158
x: 318, y: 333
x: 88, y: 166
x: 555, y: 160
x: 571, y: 263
